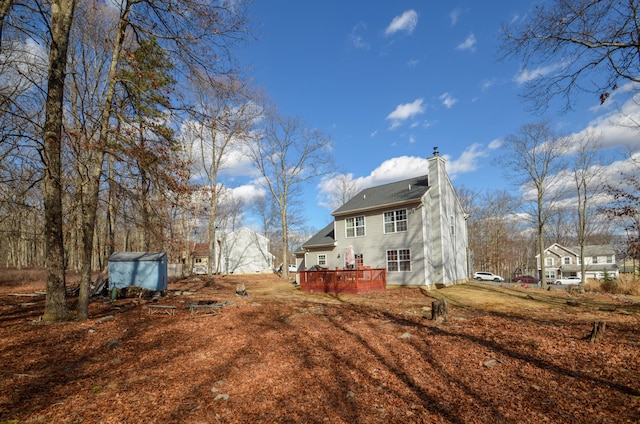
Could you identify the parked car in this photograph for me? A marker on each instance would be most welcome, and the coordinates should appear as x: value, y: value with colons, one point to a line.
x: 292, y: 268
x: 527, y: 279
x: 487, y: 276
x: 568, y: 280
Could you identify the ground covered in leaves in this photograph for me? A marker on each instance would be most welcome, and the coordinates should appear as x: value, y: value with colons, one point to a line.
x: 279, y: 355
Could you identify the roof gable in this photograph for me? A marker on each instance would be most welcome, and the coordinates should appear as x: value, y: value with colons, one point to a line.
x: 324, y: 237
x: 248, y: 230
x: 589, y: 250
x: 385, y: 195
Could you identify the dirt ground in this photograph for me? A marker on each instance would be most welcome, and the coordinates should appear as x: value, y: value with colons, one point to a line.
x: 279, y: 355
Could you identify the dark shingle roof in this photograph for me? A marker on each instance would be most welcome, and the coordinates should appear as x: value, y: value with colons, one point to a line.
x: 374, y: 197
x: 323, y: 237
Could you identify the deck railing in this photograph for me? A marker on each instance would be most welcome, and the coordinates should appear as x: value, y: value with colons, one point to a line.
x: 354, y: 281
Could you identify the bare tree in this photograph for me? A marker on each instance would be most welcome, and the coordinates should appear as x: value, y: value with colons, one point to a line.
x: 343, y: 188
x: 492, y: 228
x: 224, y: 116
x: 586, y: 169
x: 626, y: 205
x: 195, y: 36
x: 534, y: 159
x: 576, y: 45
x: 286, y: 154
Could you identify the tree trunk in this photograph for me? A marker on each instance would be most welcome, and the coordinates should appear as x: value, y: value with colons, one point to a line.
x: 439, y: 309
x: 285, y: 241
x: 56, y: 298
x: 598, y: 332
x: 95, y: 167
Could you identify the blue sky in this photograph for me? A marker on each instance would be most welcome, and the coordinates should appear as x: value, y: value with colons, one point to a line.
x: 389, y: 81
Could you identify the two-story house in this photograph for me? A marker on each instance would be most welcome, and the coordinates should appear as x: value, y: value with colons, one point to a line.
x: 416, y: 229
x: 562, y: 262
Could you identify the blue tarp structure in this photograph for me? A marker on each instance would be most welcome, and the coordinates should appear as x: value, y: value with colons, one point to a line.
x: 147, y: 270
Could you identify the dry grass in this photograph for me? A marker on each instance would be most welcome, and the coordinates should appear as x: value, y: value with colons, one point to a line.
x: 626, y: 284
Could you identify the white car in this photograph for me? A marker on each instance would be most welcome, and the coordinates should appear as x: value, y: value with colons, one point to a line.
x: 568, y: 280
x: 293, y: 268
x: 487, y: 276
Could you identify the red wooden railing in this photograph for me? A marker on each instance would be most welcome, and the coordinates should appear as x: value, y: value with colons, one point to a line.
x: 354, y: 281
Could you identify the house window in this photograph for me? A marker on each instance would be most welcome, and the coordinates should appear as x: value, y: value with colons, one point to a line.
x: 609, y: 259
x: 550, y: 274
x: 198, y: 260
x: 567, y: 260
x: 359, y: 260
x: 322, y: 260
x: 395, y: 221
x: 399, y: 260
x: 355, y: 226
x: 594, y: 259
x: 548, y: 261
x: 452, y: 226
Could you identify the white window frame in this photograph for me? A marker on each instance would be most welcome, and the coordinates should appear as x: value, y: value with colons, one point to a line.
x: 566, y: 260
x: 354, y: 227
x: 399, y: 261
x: 322, y: 259
x: 395, y: 221
x: 548, y: 261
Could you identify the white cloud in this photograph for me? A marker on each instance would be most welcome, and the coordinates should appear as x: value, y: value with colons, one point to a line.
x: 448, y: 100
x: 527, y: 75
x: 619, y: 128
x: 455, y: 15
x: 487, y: 85
x: 23, y: 65
x: 496, y: 144
x: 248, y: 193
x: 468, y: 160
x: 404, y: 167
x: 405, y: 111
x: 199, y: 151
x: 356, y: 39
x: 406, y: 22
x: 469, y: 43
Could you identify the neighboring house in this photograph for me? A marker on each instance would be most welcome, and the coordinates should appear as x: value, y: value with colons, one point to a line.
x: 245, y: 252
x: 241, y: 252
x: 416, y: 229
x: 199, y: 255
x: 562, y: 262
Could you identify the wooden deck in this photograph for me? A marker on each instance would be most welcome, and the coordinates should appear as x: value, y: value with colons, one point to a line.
x: 353, y: 281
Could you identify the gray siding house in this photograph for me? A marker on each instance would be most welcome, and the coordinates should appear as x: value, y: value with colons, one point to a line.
x: 416, y: 229
x: 561, y: 262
